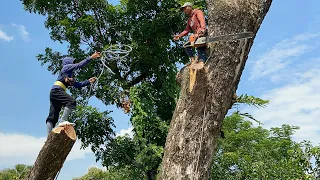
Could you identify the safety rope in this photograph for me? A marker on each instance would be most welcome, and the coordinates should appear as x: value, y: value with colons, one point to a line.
x: 57, y: 174
x: 112, y: 53
x: 20, y: 174
x: 202, y: 130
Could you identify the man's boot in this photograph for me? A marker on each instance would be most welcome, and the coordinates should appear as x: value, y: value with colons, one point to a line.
x: 194, y: 60
x: 197, y: 66
x: 49, y: 127
x: 67, y: 111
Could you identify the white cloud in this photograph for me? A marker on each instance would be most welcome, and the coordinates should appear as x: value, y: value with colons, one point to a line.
x: 23, y: 148
x: 282, y: 55
x: 126, y: 131
x: 5, y: 37
x: 296, y: 103
x: 295, y: 100
x: 23, y: 32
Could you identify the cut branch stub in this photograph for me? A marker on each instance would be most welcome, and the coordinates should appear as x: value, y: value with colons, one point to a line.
x: 70, y: 132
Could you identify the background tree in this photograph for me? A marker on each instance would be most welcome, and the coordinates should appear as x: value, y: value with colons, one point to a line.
x: 250, y: 152
x: 110, y: 174
x: 19, y: 172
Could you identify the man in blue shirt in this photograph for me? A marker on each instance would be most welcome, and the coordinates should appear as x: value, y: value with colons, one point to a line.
x: 58, y: 96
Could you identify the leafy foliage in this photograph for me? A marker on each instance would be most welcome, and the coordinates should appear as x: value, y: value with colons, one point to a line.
x: 245, y: 99
x: 93, y: 127
x: 19, y: 171
x: 125, y: 173
x: 250, y: 152
x: 251, y: 100
x: 151, y: 115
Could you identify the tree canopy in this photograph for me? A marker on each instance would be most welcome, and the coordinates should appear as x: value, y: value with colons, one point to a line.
x: 252, y: 152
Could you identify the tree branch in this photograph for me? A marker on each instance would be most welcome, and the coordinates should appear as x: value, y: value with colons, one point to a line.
x: 98, y: 27
x: 125, y: 76
x: 138, y: 79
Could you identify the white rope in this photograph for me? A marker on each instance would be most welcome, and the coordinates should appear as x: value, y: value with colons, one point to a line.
x: 112, y: 53
x: 20, y: 174
x: 56, y: 177
x: 202, y: 130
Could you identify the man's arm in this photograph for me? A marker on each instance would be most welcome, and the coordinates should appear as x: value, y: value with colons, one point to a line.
x: 70, y: 67
x: 85, y: 83
x: 202, y: 21
x: 81, y: 84
x: 185, y: 31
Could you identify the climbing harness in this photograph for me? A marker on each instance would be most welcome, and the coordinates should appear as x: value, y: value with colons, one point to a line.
x: 59, y: 83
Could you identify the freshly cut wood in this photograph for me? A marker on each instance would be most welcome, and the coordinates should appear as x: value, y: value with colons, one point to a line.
x: 53, y: 153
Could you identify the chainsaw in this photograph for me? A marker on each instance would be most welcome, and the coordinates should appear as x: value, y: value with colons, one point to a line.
x: 203, y: 40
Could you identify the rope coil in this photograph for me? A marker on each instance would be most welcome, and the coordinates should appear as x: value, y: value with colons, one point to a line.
x: 112, y: 53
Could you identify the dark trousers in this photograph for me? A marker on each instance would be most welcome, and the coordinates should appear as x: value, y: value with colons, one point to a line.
x: 201, y: 53
x: 58, y: 99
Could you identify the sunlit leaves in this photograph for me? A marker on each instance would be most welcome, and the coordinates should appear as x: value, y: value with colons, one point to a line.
x: 20, y: 171
x: 251, y: 100
x: 255, y: 153
x: 93, y: 128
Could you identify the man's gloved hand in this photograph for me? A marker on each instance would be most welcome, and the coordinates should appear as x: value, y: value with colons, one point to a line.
x: 176, y: 37
x: 201, y: 33
x: 95, y: 55
x: 92, y: 80
x: 69, y: 81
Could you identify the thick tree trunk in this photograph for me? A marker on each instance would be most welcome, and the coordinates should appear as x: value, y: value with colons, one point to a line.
x: 53, y: 154
x: 196, y: 122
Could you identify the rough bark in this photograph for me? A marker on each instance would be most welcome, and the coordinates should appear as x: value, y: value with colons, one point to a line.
x: 196, y: 122
x: 53, y: 154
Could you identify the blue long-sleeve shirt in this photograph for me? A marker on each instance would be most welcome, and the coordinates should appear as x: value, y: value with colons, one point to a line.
x: 67, y: 71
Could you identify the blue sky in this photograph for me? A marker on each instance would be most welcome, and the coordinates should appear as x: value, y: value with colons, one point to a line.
x: 283, y: 66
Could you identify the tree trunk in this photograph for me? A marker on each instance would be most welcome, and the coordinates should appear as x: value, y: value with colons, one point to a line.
x: 196, y: 122
x: 53, y: 154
